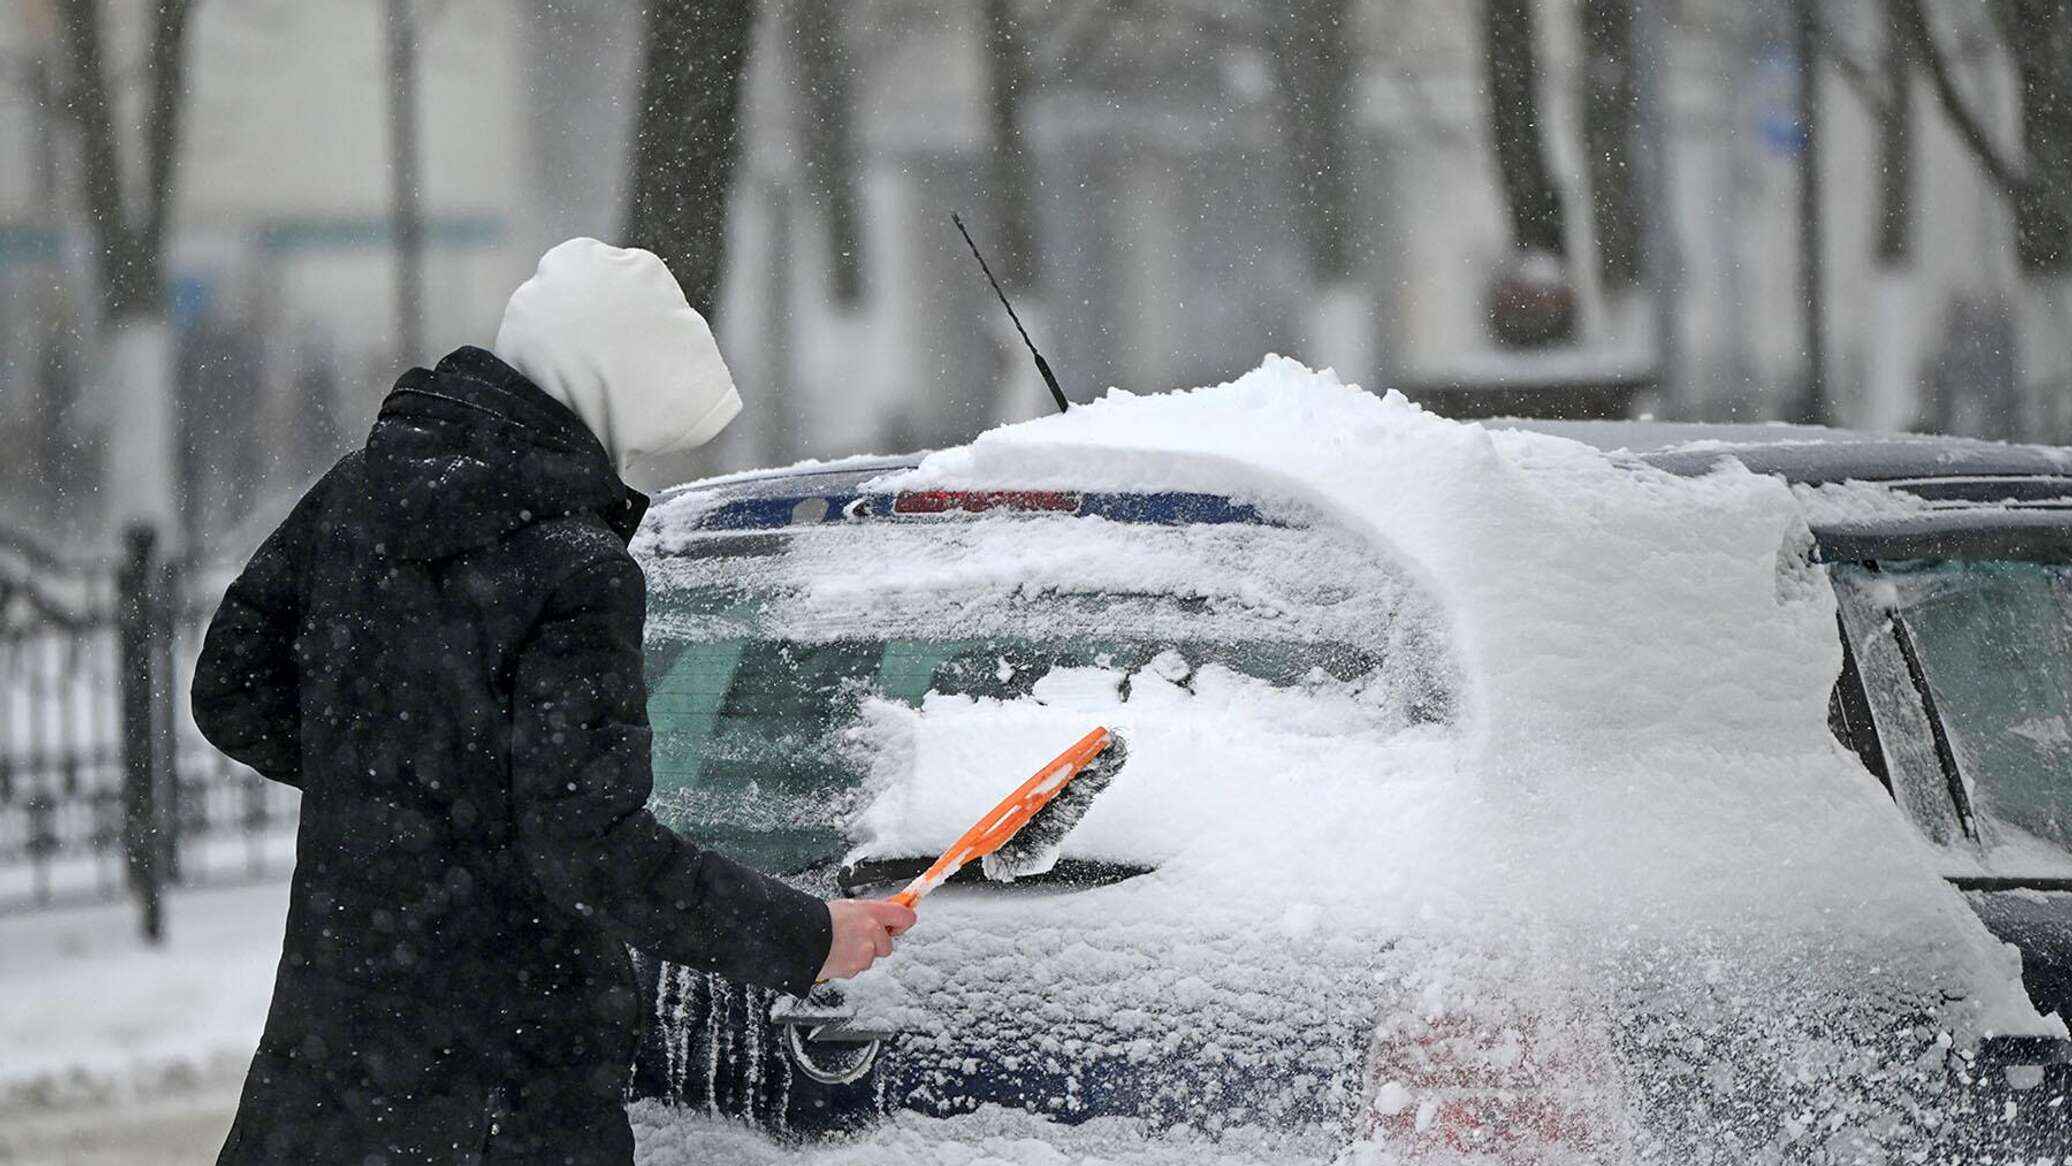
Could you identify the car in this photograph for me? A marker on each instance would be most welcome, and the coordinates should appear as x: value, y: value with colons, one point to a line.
x: 845, y: 658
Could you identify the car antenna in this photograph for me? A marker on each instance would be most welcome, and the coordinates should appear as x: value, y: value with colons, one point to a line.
x: 1042, y: 366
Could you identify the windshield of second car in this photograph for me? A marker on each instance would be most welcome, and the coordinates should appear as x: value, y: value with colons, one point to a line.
x: 1993, y: 641
x: 764, y: 649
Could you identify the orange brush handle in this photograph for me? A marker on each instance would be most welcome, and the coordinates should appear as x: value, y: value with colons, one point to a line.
x: 991, y: 832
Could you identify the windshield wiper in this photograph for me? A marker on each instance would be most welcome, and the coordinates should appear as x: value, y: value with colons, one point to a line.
x: 858, y: 879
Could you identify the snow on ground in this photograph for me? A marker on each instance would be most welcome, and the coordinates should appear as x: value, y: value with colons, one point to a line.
x: 176, y: 1127
x: 88, y: 1009
x: 115, y: 1052
x: 112, y: 1054
x: 990, y: 1137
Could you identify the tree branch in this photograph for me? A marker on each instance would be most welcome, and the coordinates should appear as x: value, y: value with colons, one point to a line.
x: 1876, y: 93
x: 1008, y: 171
x: 1895, y: 127
x: 168, y: 81
x: 1510, y: 57
x: 1419, y: 107
x: 1314, y: 71
x: 686, y: 137
x: 2006, y: 20
x: 86, y: 96
x: 820, y: 51
x: 1912, y: 20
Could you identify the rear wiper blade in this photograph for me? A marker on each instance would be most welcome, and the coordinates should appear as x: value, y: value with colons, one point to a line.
x: 858, y: 879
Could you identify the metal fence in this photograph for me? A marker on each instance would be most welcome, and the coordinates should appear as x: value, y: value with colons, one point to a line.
x: 106, y: 787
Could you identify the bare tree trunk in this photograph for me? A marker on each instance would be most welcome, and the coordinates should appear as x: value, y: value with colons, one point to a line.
x: 1895, y: 117
x: 1650, y: 44
x: 2040, y: 40
x: 406, y: 209
x: 139, y: 480
x: 2037, y: 35
x: 1892, y: 358
x: 1611, y: 117
x: 820, y: 41
x: 1316, y: 89
x: 128, y: 251
x: 687, y: 137
x: 1019, y: 266
x: 1313, y: 50
x: 1812, y: 405
x: 1514, y: 127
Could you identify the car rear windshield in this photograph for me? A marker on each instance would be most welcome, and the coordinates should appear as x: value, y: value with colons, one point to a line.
x: 764, y: 648
x: 1992, y: 644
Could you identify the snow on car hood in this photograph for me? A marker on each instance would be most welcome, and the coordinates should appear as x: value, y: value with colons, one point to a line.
x: 1642, y: 798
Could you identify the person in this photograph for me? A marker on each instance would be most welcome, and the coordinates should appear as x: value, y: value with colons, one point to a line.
x: 441, y: 647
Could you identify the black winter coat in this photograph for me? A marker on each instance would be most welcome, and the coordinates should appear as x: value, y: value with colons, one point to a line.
x: 441, y: 647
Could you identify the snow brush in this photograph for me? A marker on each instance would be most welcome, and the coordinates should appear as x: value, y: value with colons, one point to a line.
x: 1022, y: 835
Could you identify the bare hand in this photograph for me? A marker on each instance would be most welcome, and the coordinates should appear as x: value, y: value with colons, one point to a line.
x: 863, y: 931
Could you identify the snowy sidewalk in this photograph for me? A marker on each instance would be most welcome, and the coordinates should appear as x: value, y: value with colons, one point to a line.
x: 116, y: 1054
x: 112, y: 1051
x: 172, y: 1129
x: 87, y: 1008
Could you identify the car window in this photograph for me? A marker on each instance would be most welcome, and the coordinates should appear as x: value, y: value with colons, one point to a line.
x: 761, y: 663
x: 1986, y: 649
x: 1910, y: 744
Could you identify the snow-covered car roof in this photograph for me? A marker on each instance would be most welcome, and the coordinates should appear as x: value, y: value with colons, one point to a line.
x: 1978, y: 498
x: 1811, y: 454
x: 1800, y: 454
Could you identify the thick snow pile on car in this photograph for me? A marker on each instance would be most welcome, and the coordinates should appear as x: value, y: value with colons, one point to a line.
x: 1586, y: 863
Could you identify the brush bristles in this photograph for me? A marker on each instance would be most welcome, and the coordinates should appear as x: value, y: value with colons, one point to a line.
x: 1034, y: 848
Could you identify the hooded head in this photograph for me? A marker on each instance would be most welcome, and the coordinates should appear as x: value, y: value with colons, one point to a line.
x: 606, y: 331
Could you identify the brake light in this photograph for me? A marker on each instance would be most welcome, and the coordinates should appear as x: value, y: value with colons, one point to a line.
x: 980, y: 501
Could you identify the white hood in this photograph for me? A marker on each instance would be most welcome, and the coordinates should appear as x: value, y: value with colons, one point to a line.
x: 606, y: 331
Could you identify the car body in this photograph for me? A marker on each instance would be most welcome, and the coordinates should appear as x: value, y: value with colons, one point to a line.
x: 1927, y: 690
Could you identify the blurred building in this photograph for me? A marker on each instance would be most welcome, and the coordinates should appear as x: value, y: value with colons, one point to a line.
x: 281, y: 281
x: 1156, y: 182
x: 1169, y: 235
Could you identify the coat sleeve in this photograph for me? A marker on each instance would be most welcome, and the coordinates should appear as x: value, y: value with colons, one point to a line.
x: 581, y: 775
x: 246, y: 693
